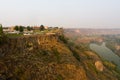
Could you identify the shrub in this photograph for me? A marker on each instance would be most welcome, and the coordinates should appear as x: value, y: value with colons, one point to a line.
x: 75, y: 54
x: 57, y: 54
x: 44, y: 52
x: 59, y: 77
x: 62, y: 38
x: 109, y: 65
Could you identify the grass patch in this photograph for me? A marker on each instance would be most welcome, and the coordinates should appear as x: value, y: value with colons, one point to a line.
x: 14, y: 35
x: 57, y: 55
x: 59, y: 77
x: 75, y: 54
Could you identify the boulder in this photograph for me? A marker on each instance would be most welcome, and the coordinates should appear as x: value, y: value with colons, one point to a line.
x: 99, y: 66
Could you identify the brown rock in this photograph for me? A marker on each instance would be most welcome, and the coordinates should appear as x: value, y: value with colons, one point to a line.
x: 99, y: 65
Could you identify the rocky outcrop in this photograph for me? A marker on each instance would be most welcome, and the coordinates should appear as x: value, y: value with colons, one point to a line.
x: 99, y: 66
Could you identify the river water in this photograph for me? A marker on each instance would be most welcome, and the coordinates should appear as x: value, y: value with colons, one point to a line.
x: 105, y: 53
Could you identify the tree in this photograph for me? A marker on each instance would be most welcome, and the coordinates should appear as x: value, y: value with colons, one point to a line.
x: 21, y: 28
x: 42, y: 28
x: 1, y: 34
x: 1, y: 30
x: 16, y: 28
x: 28, y: 28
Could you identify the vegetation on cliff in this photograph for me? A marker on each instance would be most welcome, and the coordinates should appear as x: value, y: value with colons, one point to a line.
x: 50, y: 57
x: 2, y: 36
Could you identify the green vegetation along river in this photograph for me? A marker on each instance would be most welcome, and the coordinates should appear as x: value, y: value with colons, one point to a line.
x: 105, y: 53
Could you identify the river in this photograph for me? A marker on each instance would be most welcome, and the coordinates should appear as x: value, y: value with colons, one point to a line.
x: 105, y: 53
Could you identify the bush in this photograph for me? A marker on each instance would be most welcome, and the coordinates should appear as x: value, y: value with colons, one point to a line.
x: 75, y: 54
x: 62, y: 38
x: 3, y: 39
x: 44, y: 52
x: 110, y: 65
x: 59, y: 77
x: 57, y: 55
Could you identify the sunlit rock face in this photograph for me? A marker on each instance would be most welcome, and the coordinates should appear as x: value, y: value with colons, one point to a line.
x: 99, y: 66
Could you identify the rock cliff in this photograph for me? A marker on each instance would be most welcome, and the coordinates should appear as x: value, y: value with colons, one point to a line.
x: 46, y: 57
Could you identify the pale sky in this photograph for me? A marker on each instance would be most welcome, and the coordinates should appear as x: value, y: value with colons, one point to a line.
x: 63, y: 13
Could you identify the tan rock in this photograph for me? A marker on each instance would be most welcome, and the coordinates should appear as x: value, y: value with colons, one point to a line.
x: 99, y: 65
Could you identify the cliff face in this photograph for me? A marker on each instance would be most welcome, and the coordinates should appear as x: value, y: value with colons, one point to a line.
x: 26, y: 43
x: 46, y: 57
x: 42, y: 57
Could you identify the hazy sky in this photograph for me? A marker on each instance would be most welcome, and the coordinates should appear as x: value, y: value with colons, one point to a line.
x: 65, y: 13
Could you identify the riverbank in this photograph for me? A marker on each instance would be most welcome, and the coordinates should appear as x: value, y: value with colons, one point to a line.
x: 105, y: 53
